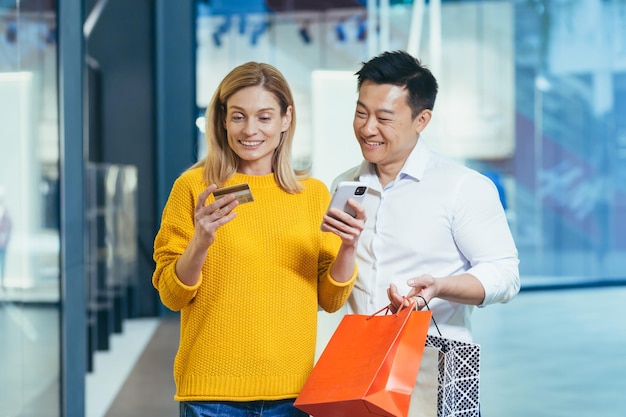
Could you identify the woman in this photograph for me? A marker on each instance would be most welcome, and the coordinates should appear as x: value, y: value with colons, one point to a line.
x: 248, y: 276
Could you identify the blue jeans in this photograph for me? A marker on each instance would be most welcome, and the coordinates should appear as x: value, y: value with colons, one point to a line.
x: 280, y: 408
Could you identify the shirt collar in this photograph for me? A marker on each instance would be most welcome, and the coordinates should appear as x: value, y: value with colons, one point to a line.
x: 416, y: 163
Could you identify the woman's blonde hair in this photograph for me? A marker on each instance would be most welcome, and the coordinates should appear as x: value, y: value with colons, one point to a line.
x: 221, y: 161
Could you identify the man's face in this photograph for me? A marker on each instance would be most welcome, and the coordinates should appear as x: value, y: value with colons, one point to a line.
x: 383, y: 125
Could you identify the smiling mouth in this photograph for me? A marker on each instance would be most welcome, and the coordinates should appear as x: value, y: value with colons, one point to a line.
x: 250, y: 143
x: 374, y: 144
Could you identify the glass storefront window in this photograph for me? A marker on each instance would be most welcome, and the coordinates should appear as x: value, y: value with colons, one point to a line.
x: 570, y: 158
x: 530, y: 95
x: 29, y: 211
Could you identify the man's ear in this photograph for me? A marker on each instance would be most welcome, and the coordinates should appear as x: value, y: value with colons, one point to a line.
x: 422, y: 120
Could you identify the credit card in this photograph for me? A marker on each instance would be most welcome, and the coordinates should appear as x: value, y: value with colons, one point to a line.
x: 241, y: 191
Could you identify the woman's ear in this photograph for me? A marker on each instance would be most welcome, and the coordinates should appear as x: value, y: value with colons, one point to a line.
x: 287, y: 118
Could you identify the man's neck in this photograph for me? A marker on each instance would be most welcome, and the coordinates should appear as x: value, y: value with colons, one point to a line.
x: 386, y: 174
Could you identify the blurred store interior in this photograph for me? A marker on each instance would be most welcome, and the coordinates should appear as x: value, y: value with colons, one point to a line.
x: 101, y: 107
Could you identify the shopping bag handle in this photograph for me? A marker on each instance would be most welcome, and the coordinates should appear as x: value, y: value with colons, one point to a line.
x: 412, y: 304
x: 428, y: 307
x: 387, y: 308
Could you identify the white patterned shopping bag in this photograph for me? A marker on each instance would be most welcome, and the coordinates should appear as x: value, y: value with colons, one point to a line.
x: 448, y: 381
x: 459, y: 377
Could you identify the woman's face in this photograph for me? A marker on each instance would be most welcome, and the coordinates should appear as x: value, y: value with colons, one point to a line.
x: 253, y: 125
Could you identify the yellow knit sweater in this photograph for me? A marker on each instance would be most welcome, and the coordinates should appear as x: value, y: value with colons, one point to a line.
x: 248, y: 328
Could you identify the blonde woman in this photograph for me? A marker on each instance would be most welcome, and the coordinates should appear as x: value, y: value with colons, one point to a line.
x: 248, y: 276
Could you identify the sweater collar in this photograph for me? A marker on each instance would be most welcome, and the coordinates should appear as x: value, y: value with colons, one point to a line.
x: 256, y: 181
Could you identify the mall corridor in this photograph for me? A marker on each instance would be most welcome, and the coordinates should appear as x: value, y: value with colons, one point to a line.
x: 553, y: 353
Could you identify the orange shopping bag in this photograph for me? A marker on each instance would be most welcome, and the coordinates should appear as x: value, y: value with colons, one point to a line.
x: 369, y: 367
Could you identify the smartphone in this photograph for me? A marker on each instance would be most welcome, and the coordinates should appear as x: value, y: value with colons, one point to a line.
x: 346, y: 190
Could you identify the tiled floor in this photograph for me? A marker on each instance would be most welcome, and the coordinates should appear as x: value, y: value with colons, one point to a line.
x: 549, y: 354
x: 545, y: 354
x: 554, y: 354
x: 112, y: 367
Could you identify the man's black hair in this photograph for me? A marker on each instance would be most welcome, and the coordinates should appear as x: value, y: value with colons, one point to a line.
x: 401, y: 69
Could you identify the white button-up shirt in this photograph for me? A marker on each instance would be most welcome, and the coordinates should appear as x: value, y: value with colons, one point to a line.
x: 440, y: 218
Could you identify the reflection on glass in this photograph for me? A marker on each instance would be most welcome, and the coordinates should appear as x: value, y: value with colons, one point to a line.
x: 530, y: 95
x: 29, y: 211
x: 111, y: 257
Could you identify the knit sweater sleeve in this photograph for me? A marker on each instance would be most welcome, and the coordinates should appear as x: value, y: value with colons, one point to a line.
x: 332, y: 294
x: 172, y: 239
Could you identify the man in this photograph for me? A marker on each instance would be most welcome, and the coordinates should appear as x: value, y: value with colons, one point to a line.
x: 435, y: 228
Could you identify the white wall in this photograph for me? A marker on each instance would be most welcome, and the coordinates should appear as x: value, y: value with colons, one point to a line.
x: 334, y: 147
